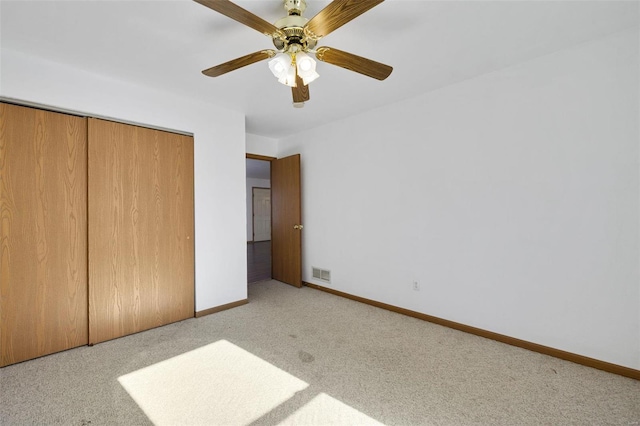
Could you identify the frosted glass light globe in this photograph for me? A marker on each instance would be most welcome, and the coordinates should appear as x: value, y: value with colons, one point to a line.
x: 306, y: 68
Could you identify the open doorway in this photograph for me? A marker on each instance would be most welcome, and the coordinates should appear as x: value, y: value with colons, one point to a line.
x: 258, y: 220
x: 285, y: 250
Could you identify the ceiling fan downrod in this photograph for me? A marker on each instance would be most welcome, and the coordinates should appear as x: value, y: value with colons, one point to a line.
x: 295, y: 7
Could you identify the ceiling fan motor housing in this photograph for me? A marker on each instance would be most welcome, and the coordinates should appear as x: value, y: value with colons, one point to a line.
x: 293, y: 28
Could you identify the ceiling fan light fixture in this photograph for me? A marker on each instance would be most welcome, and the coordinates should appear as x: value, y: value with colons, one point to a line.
x: 306, y: 68
x: 280, y: 64
x: 282, y: 68
x: 289, y: 78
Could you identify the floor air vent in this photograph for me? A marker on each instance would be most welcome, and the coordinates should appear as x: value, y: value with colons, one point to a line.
x: 322, y: 274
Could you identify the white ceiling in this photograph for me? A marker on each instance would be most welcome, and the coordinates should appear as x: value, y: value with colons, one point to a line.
x: 430, y: 44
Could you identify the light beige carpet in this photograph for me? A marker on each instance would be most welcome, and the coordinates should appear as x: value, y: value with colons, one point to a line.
x: 301, y: 356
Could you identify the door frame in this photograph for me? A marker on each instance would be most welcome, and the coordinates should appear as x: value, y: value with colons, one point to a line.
x: 259, y: 157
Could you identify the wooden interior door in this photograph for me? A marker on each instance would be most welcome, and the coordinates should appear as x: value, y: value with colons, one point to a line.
x: 141, y: 248
x: 43, y: 275
x: 286, y: 217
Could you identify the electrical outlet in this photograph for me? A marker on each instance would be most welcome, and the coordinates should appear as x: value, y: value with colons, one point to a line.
x: 416, y: 286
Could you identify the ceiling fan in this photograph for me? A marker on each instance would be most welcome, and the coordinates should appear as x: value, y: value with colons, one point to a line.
x: 294, y: 37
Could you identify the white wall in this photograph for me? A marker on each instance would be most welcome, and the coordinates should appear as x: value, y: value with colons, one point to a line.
x: 512, y: 198
x: 253, y: 183
x: 261, y: 145
x: 221, y: 268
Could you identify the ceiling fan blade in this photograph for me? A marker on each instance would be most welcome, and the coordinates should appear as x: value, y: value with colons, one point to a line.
x: 336, y: 14
x: 241, y: 15
x: 354, y: 63
x: 239, y: 63
x: 300, y: 92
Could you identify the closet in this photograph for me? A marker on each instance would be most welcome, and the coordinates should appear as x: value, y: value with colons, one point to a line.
x: 96, y: 231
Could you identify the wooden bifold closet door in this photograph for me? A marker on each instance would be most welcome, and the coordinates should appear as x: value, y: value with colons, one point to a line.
x: 141, y: 248
x: 43, y: 202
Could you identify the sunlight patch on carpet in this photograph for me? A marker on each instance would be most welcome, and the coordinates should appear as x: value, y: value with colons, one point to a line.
x: 216, y: 384
x: 326, y: 410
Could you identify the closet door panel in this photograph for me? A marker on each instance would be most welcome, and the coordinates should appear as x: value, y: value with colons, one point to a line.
x: 141, y: 251
x: 43, y: 278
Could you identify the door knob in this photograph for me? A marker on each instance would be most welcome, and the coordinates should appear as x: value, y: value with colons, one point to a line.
x: 298, y: 226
